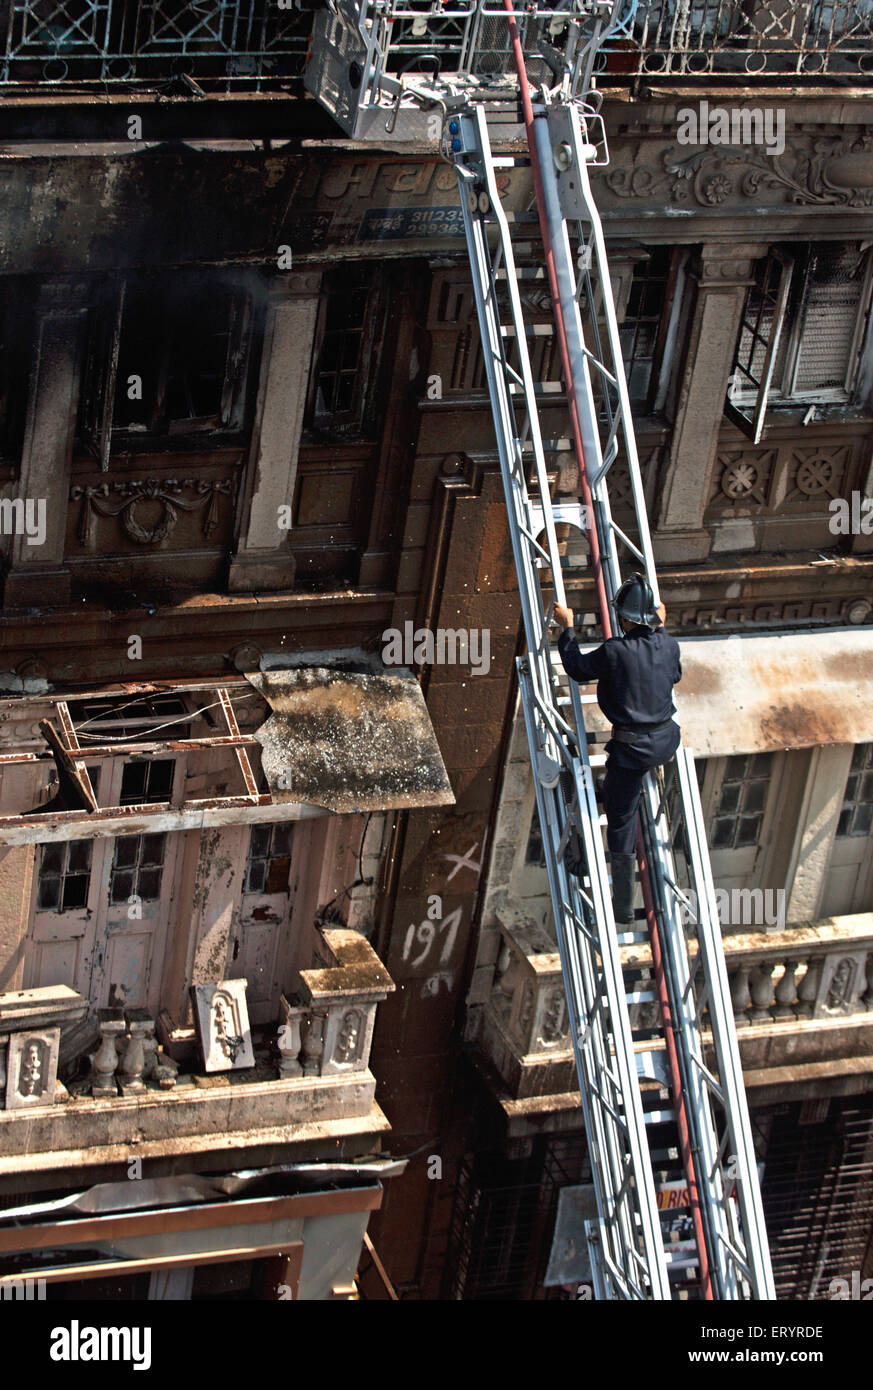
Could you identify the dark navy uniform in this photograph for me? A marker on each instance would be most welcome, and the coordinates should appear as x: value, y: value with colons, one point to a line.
x: 635, y: 676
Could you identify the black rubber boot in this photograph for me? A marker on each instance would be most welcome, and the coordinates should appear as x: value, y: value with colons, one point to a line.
x: 624, y: 867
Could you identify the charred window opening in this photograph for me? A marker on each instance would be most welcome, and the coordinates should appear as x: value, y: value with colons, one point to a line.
x: 856, y: 816
x: 269, y: 861
x: 347, y: 353
x: 168, y: 357
x: 64, y: 875
x: 146, y: 783
x: 107, y: 721
x: 17, y: 328
x: 137, y: 865
x: 802, y: 332
x: 644, y: 327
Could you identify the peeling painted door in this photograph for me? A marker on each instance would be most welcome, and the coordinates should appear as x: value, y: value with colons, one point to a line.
x: 59, y: 946
x: 264, y: 919
x: 848, y: 885
x: 137, y: 890
x: 137, y: 896
x: 740, y: 797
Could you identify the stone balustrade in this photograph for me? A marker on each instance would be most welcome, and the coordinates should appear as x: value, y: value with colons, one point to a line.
x: 311, y: 1076
x: 801, y: 997
x: 816, y: 972
x: 128, y: 1056
x: 327, y: 1029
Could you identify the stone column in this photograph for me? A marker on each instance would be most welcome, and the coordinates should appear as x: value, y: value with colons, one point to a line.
x: 212, y: 882
x: 17, y: 863
x: 263, y: 560
x: 723, y: 274
x: 816, y: 829
x: 37, y: 573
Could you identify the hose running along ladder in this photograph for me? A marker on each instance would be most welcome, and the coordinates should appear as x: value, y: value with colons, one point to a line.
x: 635, y: 1039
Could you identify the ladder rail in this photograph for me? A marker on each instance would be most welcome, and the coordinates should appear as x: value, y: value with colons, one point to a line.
x: 634, y: 1217
x: 715, y: 1209
x: 711, y: 1110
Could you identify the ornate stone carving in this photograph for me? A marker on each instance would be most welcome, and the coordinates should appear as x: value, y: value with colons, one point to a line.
x: 739, y: 479
x: 816, y: 475
x: 33, y: 1068
x: 817, y: 172
x: 348, y: 1041
x: 553, y: 1025
x: 222, y: 1021
x: 121, y: 501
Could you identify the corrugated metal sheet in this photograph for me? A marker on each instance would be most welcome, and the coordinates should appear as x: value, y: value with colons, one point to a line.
x: 760, y: 694
x: 349, y: 742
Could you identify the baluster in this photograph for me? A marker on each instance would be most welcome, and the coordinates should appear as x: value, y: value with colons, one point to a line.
x: 807, y: 991
x: 111, y: 1024
x: 313, y: 1044
x: 504, y: 960
x: 150, y: 1051
x: 130, y: 1072
x: 867, y: 996
x: 740, y: 996
x: 761, y: 984
x: 290, y: 1021
x: 786, y: 991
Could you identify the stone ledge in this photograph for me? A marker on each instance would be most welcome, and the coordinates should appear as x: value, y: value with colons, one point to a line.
x: 367, y: 1129
x: 357, y: 974
x: 186, y: 1113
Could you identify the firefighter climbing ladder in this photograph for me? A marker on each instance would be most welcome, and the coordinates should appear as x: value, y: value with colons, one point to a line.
x: 630, y: 1258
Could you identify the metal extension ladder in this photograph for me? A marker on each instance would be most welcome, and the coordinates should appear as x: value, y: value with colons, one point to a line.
x: 620, y: 1067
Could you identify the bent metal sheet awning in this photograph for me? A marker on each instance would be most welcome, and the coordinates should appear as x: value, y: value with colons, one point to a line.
x: 349, y: 742
x: 766, y: 693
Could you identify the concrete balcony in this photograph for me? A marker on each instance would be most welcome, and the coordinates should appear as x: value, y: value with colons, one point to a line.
x: 310, y: 1091
x: 803, y: 1006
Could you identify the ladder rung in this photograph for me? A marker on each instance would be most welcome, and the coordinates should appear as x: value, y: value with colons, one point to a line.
x: 511, y: 161
x: 659, y: 1117
x: 642, y: 996
x: 541, y: 388
x: 632, y: 938
x: 518, y: 219
x: 525, y: 272
x: 531, y: 330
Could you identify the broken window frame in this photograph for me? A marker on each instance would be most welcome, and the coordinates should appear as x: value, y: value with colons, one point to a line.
x: 136, y: 869
x: 114, y: 818
x: 273, y: 857
x: 796, y: 286
x: 356, y: 423
x: 753, y: 425
x: 98, y: 433
x: 827, y: 395
x: 653, y: 398
x: 65, y: 873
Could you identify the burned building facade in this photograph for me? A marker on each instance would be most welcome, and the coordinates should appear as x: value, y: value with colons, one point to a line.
x: 247, y: 459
